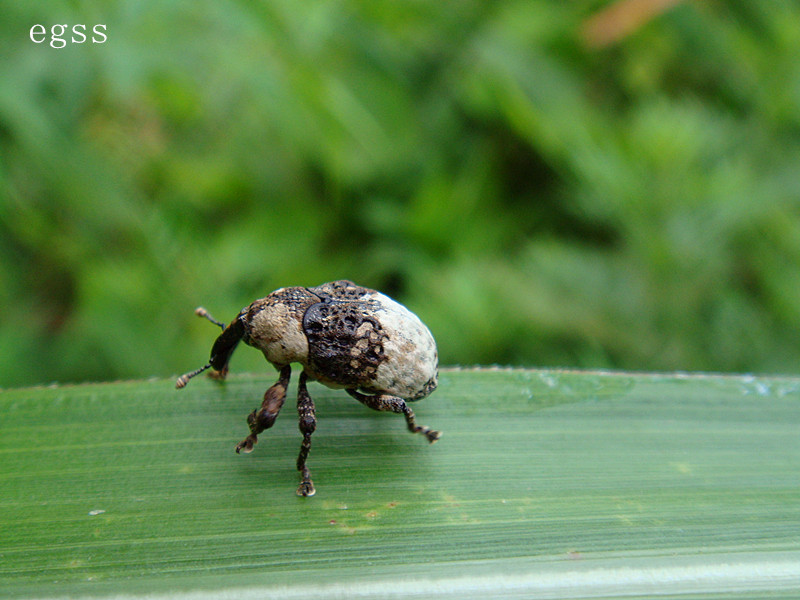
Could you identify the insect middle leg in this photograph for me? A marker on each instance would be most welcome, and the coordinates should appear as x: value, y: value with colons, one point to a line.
x: 263, y: 418
x: 308, y: 423
x: 385, y: 402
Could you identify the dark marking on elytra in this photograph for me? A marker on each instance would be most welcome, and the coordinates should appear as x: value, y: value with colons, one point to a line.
x: 345, y: 343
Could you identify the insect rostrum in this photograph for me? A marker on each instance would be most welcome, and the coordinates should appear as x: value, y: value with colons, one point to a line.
x: 344, y: 336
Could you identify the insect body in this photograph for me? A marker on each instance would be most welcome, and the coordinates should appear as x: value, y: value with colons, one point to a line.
x: 344, y: 336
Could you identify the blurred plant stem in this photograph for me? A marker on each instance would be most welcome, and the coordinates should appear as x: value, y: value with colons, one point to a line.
x: 621, y: 18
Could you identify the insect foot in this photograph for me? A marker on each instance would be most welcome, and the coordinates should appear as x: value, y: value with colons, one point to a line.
x: 306, y: 489
x: 432, y: 435
x: 246, y: 445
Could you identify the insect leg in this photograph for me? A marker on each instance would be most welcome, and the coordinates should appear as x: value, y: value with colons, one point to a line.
x: 308, y: 423
x: 385, y: 402
x: 263, y: 418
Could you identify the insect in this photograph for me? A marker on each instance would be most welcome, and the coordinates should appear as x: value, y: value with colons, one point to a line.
x: 344, y: 336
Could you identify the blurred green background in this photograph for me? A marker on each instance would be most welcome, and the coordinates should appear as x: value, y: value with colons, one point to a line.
x: 587, y: 184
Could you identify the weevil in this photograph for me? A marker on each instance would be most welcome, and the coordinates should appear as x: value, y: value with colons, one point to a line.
x: 345, y: 336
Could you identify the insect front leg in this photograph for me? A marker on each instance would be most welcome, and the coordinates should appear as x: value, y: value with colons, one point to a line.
x: 263, y: 418
x: 308, y: 423
x: 387, y: 403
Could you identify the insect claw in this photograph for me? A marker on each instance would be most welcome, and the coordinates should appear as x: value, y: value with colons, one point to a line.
x: 246, y: 445
x: 433, y: 436
x: 306, y: 489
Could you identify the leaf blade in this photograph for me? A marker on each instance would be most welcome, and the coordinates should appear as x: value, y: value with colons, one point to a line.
x: 538, y: 473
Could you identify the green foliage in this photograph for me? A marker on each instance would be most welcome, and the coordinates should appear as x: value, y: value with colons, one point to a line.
x: 545, y: 484
x: 535, y: 201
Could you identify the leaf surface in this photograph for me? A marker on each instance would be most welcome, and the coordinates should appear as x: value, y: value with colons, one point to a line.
x: 545, y: 483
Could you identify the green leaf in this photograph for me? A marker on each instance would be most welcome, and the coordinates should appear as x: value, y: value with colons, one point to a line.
x: 544, y: 484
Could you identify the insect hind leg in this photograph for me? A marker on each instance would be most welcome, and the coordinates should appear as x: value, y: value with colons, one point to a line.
x: 388, y: 403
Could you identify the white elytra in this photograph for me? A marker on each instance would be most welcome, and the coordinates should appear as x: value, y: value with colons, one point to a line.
x: 411, y: 359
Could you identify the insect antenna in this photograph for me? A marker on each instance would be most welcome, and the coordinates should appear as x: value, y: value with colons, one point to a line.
x: 184, y: 379
x: 202, y: 312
